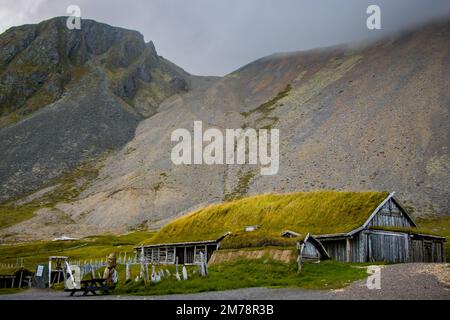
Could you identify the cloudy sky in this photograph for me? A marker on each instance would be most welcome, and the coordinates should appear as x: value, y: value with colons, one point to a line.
x: 215, y: 37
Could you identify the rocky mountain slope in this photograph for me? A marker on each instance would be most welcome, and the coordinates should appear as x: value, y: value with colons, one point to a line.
x: 70, y: 95
x: 372, y: 118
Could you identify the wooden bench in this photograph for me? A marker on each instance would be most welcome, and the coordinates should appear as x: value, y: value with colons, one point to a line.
x: 91, y: 285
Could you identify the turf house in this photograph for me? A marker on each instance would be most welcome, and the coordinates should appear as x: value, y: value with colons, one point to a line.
x: 344, y: 226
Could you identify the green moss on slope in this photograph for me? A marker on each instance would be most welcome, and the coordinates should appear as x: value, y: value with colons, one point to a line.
x: 67, y: 187
x: 269, y: 105
x: 319, y: 212
x: 257, y: 239
x: 241, y: 189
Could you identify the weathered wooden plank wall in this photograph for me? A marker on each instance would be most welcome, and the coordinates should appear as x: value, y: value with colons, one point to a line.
x: 388, y: 247
x: 335, y: 248
x: 427, y: 250
x: 390, y: 215
x: 310, y: 251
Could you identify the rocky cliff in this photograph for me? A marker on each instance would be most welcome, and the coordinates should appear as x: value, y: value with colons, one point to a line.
x: 69, y: 95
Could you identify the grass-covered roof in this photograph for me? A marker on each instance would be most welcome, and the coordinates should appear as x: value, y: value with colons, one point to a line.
x: 318, y: 212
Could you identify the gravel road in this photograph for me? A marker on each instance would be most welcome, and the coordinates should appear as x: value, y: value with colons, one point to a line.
x: 401, y: 281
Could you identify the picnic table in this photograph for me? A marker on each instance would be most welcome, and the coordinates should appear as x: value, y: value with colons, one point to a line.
x: 91, y: 285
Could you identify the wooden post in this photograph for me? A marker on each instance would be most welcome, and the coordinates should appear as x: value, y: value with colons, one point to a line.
x: 442, y: 253
x: 92, y: 271
x: 167, y: 254
x: 142, y: 273
x: 177, y: 275
x: 49, y: 272
x: 195, y: 253
x: 347, y: 250
x: 159, y: 254
x: 127, y: 272
x: 299, y: 258
x: 20, y: 280
x: 362, y: 246
x: 407, y: 248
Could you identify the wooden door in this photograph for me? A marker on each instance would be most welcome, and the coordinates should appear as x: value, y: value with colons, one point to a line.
x: 417, y: 251
x: 428, y: 251
x: 388, y: 247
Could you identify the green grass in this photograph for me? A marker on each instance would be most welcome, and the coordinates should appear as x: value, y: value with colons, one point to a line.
x: 256, y: 239
x: 11, y: 215
x: 318, y: 212
x: 245, y: 273
x: 97, y: 247
x: 269, y: 105
x: 439, y: 225
x: 264, y: 121
x: 241, y: 189
x: 11, y: 290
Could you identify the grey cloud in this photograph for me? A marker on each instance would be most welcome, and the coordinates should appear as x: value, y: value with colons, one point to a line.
x: 215, y: 37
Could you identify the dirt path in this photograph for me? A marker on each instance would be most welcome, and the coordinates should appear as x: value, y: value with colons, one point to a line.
x: 402, y: 281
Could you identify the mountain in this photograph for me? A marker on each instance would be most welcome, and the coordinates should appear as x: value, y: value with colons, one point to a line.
x: 66, y: 96
x: 367, y: 118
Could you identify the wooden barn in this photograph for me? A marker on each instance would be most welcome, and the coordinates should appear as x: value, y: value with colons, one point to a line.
x: 17, y: 279
x: 343, y: 225
x: 187, y: 253
x: 389, y: 234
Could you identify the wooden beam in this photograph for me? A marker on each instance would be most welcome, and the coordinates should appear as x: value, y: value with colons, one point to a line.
x: 407, y: 248
x: 347, y: 250
x: 167, y: 254
x: 195, y: 254
x: 362, y: 246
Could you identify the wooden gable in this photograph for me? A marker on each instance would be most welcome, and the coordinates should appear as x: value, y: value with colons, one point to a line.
x: 391, y: 214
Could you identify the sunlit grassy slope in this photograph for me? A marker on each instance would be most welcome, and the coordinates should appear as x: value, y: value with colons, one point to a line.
x: 318, y: 212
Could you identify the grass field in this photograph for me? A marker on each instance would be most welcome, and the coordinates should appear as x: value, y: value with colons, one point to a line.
x: 11, y: 291
x: 247, y: 273
x: 241, y: 273
x: 97, y: 247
